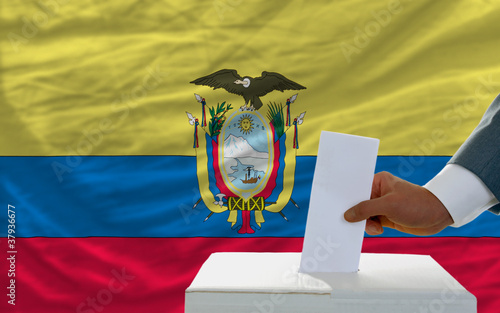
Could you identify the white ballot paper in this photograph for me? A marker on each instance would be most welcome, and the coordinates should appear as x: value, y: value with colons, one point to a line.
x: 342, y: 178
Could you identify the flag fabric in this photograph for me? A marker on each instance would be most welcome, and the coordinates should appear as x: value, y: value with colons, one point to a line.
x: 114, y: 196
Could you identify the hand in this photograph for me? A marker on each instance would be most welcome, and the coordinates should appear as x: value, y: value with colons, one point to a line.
x: 401, y: 205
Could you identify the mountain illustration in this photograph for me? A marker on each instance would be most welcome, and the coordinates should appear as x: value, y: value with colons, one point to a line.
x: 238, y: 147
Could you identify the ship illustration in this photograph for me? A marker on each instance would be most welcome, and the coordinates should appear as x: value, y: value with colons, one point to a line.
x: 249, y: 179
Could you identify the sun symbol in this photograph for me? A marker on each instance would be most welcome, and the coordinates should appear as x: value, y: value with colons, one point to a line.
x: 245, y: 124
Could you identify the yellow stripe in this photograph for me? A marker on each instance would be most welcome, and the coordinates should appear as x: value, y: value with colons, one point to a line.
x: 112, y: 77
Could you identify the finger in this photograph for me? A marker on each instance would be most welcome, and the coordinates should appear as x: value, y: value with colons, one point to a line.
x: 373, y: 227
x: 367, y: 209
x: 385, y: 222
x: 376, y: 188
x: 379, y: 181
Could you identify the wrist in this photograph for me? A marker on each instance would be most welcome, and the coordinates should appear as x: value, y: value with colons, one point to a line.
x: 441, y: 216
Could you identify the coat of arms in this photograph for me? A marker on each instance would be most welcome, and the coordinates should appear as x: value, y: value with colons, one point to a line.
x: 246, y: 161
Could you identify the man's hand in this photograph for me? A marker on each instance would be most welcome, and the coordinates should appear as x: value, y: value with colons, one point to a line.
x: 401, y: 205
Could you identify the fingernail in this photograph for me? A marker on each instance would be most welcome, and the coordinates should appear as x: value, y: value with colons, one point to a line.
x: 349, y: 215
x: 374, y: 228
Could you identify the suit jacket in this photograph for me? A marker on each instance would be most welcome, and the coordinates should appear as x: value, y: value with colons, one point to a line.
x: 480, y: 153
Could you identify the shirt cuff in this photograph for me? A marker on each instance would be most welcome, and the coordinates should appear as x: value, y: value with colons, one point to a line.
x: 464, y: 195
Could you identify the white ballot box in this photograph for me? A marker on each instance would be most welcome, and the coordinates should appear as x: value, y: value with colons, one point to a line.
x: 272, y: 283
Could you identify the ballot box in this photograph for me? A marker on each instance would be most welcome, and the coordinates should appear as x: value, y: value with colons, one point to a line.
x: 272, y: 283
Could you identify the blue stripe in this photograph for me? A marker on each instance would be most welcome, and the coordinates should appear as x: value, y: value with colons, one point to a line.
x: 153, y: 196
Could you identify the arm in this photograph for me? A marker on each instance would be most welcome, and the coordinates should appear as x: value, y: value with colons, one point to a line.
x: 413, y: 209
x: 480, y: 153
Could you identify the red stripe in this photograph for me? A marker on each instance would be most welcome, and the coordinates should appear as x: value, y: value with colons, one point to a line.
x: 59, y: 274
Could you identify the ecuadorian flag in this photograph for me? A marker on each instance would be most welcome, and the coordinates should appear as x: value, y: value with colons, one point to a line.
x: 113, y: 196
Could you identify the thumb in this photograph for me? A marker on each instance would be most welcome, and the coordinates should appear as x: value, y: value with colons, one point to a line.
x: 366, y: 209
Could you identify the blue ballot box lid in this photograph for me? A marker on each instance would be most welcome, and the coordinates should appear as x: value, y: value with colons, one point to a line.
x: 270, y: 282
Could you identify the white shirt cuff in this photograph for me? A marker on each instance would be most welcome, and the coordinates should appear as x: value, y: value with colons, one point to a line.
x: 464, y: 195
